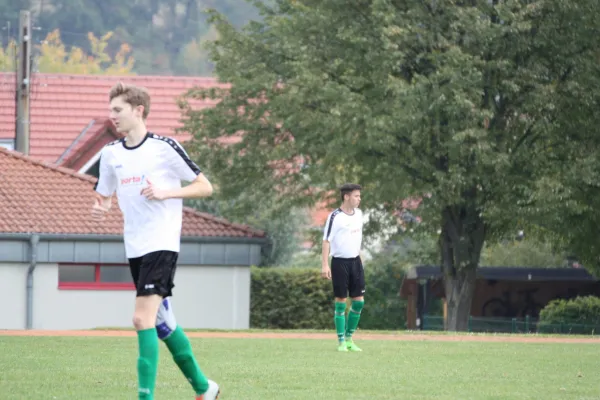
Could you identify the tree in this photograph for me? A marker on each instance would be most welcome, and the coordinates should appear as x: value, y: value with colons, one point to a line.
x: 522, y: 253
x: 54, y: 57
x: 194, y: 57
x: 566, y: 201
x: 160, y: 32
x: 450, y: 99
x: 8, y: 57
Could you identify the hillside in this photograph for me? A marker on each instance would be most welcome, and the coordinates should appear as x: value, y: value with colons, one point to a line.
x: 165, y: 35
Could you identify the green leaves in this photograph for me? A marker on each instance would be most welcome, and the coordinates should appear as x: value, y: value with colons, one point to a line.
x: 579, y: 310
x: 469, y: 103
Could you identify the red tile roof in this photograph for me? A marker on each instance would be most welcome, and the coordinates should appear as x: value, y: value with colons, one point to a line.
x: 63, y: 105
x: 42, y: 198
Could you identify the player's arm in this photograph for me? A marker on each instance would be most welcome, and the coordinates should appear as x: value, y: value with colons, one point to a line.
x: 103, y: 190
x: 200, y: 187
x: 104, y: 201
x: 325, y: 270
x: 186, y: 170
x: 101, y: 206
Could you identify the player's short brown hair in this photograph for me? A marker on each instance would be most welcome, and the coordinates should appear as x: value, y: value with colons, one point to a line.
x: 348, y: 188
x: 133, y: 95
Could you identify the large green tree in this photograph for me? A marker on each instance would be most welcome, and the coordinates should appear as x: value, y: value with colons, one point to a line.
x: 570, y: 192
x: 453, y: 101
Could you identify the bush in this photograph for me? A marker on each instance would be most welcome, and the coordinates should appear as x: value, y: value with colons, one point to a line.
x: 578, y: 315
x: 290, y: 298
x: 384, y: 309
x: 298, y: 298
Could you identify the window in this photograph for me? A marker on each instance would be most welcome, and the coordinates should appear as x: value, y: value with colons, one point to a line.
x: 7, y: 144
x: 92, y: 166
x: 94, y: 277
x: 94, y: 170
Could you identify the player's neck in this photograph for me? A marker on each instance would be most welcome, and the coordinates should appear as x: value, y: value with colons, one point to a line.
x: 347, y: 209
x: 136, y: 136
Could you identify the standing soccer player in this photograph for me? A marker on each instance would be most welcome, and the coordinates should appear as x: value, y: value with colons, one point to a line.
x: 146, y: 171
x: 342, y: 240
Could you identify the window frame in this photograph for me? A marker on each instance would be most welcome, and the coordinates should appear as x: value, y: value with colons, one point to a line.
x: 97, y: 284
x: 9, y: 144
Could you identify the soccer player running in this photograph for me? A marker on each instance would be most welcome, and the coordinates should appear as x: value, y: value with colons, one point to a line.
x: 146, y: 171
x: 342, y: 240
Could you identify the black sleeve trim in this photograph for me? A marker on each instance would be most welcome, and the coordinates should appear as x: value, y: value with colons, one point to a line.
x: 98, y: 180
x: 177, y: 147
x: 333, y: 214
x: 187, y: 160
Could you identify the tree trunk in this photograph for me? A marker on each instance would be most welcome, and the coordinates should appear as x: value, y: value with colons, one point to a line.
x: 461, y: 241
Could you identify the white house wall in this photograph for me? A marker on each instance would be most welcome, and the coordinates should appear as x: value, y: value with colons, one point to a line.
x: 212, y: 297
x: 204, y: 297
x: 12, y: 286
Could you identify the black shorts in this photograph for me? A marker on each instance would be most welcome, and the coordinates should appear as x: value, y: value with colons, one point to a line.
x: 154, y: 273
x: 348, y: 277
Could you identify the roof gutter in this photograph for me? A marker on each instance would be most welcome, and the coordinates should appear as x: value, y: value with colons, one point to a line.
x: 34, y: 240
x: 119, y: 238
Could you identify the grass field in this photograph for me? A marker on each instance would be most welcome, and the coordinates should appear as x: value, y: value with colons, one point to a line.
x: 295, y: 369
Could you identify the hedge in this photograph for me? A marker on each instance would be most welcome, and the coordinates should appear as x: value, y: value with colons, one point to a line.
x: 578, y: 315
x: 298, y: 298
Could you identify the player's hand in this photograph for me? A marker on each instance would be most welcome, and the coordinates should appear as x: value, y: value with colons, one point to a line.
x: 99, y: 210
x: 326, y: 272
x: 151, y: 192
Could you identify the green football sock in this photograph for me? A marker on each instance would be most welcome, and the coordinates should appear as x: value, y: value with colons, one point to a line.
x: 181, y: 349
x: 147, y: 364
x: 354, y: 317
x: 340, y: 319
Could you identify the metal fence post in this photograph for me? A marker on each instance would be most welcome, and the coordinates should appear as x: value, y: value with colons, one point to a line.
x: 514, y: 325
x: 527, y: 323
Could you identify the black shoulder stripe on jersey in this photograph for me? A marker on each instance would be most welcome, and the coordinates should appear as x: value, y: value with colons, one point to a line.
x: 333, y: 214
x: 179, y: 151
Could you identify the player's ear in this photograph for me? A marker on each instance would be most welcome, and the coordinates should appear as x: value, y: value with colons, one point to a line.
x: 140, y: 111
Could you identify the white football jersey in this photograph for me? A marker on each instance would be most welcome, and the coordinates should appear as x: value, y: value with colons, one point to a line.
x: 344, y: 233
x: 149, y: 225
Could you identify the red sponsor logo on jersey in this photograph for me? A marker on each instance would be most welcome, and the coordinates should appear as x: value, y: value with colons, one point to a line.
x: 132, y: 180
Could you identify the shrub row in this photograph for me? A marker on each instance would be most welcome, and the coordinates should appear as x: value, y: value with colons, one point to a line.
x: 579, y: 315
x: 298, y: 298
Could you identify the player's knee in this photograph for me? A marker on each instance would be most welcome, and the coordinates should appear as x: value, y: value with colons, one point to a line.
x: 146, y: 308
x: 357, y: 305
x: 142, y: 321
x: 340, y: 308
